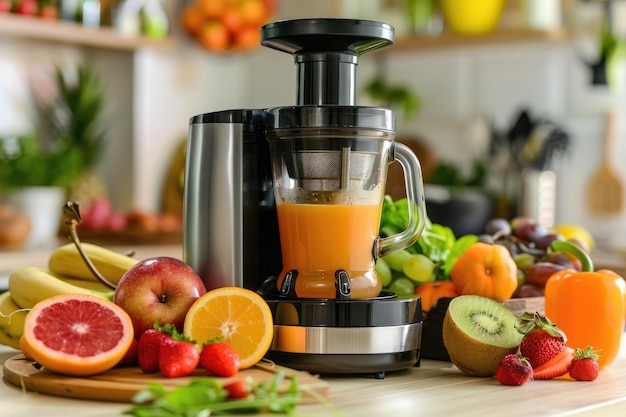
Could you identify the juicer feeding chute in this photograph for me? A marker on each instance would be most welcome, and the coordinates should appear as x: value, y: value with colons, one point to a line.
x: 326, y: 52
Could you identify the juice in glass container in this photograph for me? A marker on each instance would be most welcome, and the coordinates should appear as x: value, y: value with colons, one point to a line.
x: 319, y: 239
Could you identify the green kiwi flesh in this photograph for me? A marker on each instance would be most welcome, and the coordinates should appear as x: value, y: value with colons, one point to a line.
x: 478, y: 332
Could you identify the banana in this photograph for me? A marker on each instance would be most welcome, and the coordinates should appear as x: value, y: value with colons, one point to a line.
x: 12, y: 319
x: 30, y: 284
x: 80, y: 282
x: 65, y: 260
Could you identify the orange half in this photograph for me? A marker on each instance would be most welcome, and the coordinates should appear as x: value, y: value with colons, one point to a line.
x: 240, y: 316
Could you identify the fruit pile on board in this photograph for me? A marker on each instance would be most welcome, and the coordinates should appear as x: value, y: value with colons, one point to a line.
x: 485, y: 339
x: 511, y: 259
x: 225, y: 25
x: 154, y: 313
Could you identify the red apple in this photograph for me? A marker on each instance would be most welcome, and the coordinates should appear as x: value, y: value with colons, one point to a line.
x: 158, y: 289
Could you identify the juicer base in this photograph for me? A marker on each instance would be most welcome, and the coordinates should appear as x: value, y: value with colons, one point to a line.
x: 338, y: 364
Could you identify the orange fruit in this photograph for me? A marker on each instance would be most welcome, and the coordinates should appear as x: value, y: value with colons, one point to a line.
x: 77, y: 334
x: 214, y: 36
x: 191, y: 19
x: 248, y: 37
x: 240, y: 316
x: 212, y: 8
x: 253, y: 12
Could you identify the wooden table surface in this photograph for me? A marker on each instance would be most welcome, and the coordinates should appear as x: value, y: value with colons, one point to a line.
x: 433, y: 389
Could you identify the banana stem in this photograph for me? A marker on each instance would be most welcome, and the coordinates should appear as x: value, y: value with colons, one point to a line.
x: 71, y: 216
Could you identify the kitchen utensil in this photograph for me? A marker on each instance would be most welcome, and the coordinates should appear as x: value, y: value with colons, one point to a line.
x: 121, y: 384
x: 605, y: 194
x: 315, y: 174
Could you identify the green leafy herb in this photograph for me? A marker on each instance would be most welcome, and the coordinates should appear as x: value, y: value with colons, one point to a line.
x: 205, y: 396
x: 437, y: 241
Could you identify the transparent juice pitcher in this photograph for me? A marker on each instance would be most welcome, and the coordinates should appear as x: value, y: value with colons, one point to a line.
x: 330, y: 167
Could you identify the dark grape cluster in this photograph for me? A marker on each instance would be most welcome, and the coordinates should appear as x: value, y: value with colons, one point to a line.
x: 529, y: 242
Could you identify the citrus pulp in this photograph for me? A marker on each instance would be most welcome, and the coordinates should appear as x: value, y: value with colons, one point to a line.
x: 76, y: 334
x: 239, y: 316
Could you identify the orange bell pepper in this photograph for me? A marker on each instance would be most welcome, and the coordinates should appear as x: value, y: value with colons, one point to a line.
x: 487, y: 270
x: 590, y: 307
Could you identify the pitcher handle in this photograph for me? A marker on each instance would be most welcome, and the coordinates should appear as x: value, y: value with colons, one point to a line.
x: 416, y: 204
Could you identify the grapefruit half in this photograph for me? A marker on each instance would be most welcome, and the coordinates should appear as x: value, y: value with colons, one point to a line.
x: 77, y: 335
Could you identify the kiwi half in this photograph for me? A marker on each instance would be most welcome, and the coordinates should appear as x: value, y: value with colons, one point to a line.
x: 478, y: 332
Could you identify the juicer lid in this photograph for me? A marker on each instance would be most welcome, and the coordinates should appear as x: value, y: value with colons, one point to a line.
x: 301, y: 36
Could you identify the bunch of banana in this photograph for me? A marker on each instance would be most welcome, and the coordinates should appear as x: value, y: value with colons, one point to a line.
x: 66, y: 261
x: 12, y: 318
x: 29, y: 285
x: 67, y: 274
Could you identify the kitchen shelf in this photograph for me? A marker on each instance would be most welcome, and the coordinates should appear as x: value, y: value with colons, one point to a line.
x: 74, y: 34
x: 501, y: 36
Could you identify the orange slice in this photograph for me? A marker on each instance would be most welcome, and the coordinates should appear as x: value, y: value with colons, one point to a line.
x: 77, y: 335
x: 238, y: 315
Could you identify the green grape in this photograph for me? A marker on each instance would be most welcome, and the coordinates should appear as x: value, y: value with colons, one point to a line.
x: 384, y: 272
x: 524, y: 261
x: 396, y: 259
x: 402, y: 286
x: 419, y: 268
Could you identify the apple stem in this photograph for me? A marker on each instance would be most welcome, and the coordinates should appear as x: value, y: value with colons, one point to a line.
x: 71, y: 217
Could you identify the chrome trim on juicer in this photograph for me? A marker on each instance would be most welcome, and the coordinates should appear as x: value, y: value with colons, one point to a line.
x: 347, y: 340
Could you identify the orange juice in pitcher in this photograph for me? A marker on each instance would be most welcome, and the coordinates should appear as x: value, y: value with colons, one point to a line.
x: 319, y: 239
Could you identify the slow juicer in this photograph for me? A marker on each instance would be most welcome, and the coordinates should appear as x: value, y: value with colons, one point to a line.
x: 286, y: 201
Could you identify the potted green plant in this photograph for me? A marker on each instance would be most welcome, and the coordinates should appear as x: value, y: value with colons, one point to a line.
x: 37, y: 169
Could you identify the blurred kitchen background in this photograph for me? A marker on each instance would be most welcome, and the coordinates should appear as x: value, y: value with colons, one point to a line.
x: 507, y: 103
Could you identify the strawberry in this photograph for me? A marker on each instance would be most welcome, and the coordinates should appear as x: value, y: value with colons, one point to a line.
x: 514, y: 369
x: 542, y: 341
x: 148, y: 349
x: 237, y: 389
x: 219, y: 358
x: 585, y: 365
x: 559, y: 365
x: 178, y: 357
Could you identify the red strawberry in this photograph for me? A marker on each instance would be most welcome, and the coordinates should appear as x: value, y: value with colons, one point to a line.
x: 514, y: 369
x: 237, y: 389
x: 178, y: 358
x: 585, y: 365
x: 543, y: 340
x: 148, y: 349
x: 220, y: 359
x: 559, y: 365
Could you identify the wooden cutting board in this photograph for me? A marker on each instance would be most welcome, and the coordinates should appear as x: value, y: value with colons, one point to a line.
x: 121, y: 384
